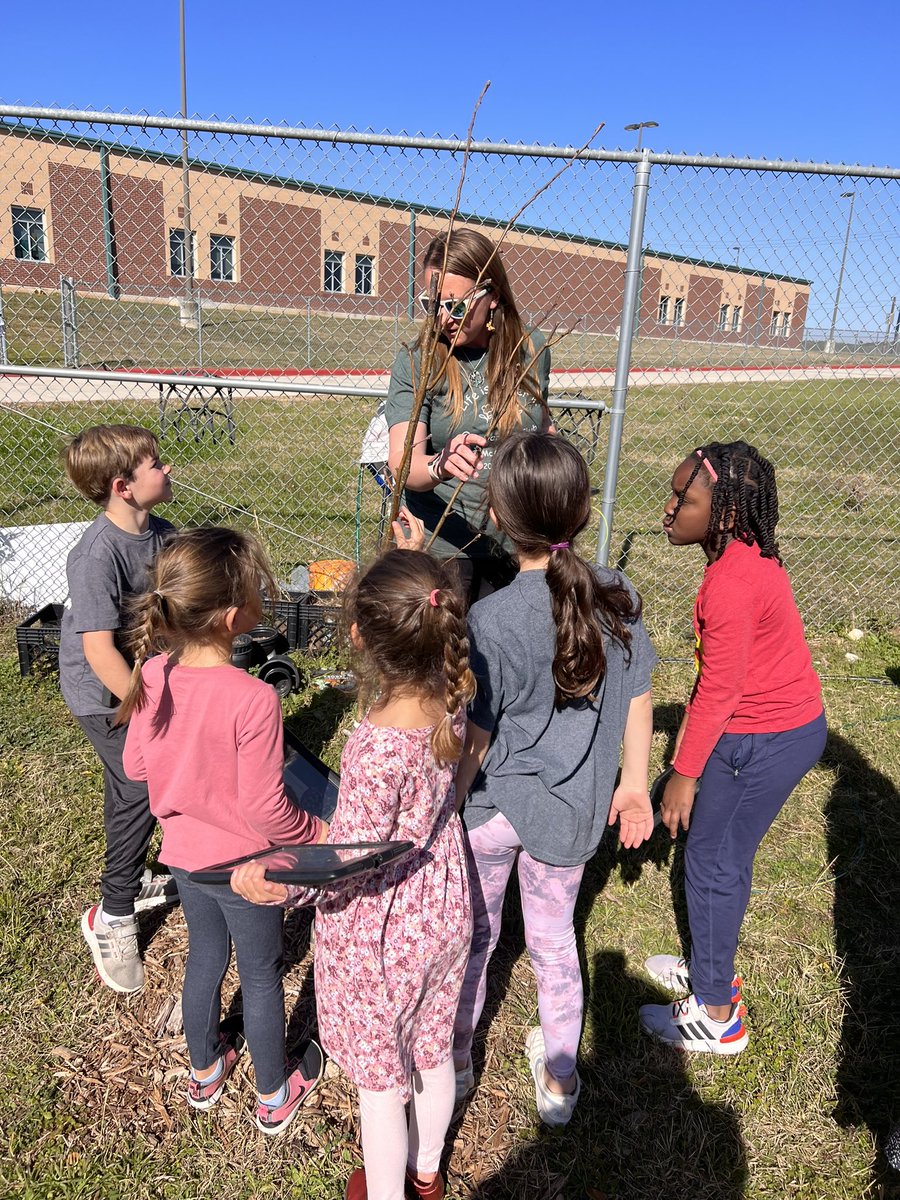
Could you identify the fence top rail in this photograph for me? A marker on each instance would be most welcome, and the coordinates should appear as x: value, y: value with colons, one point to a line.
x: 272, y: 384
x: 453, y: 145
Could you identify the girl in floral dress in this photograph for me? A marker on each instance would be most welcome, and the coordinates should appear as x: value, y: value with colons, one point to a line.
x: 391, y: 947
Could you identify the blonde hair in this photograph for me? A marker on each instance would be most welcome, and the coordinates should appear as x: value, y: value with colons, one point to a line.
x: 411, y: 616
x: 195, y: 579
x: 97, y: 456
x: 510, y: 350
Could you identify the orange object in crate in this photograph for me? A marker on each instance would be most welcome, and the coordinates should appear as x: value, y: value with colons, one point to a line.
x: 330, y: 574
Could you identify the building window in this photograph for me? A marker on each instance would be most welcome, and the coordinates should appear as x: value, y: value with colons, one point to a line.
x: 177, y: 256
x: 737, y: 314
x: 662, y: 313
x: 362, y: 282
x: 723, y: 316
x: 785, y: 324
x: 221, y: 257
x: 774, y: 327
x: 334, y: 271
x: 28, y: 234
x: 678, y: 314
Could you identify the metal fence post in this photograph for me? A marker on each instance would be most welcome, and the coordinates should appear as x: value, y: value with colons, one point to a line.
x: 69, y: 320
x: 628, y: 328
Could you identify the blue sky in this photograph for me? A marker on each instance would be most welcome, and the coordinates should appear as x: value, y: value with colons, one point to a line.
x: 790, y: 80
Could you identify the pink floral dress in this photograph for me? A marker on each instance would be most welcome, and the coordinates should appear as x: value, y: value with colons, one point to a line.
x: 391, y: 949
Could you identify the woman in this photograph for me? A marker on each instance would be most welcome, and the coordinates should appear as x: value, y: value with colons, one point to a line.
x: 489, y: 377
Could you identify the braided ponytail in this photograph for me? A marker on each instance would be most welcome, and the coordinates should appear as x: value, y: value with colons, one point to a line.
x: 148, y: 613
x: 460, y: 682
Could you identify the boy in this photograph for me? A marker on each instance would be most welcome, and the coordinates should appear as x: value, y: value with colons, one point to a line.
x: 118, y: 468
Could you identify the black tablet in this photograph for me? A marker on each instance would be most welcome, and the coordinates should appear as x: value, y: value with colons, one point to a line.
x: 310, y: 865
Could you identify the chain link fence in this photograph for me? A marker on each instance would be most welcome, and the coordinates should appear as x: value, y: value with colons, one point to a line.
x: 243, y: 291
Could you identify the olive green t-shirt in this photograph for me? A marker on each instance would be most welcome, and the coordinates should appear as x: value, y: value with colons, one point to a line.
x: 468, y: 529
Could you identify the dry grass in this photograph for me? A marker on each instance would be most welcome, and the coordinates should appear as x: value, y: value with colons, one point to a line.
x: 92, y: 1104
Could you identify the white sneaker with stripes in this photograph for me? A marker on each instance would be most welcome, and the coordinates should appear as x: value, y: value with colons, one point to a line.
x: 675, y: 974
x: 686, y: 1025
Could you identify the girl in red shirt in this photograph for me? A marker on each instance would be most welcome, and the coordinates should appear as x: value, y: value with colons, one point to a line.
x: 753, y: 727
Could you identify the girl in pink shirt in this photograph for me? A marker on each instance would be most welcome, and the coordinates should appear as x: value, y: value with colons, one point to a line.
x: 753, y: 727
x: 207, y: 738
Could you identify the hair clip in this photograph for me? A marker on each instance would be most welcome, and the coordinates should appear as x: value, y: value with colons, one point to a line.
x: 714, y: 474
x: 433, y: 598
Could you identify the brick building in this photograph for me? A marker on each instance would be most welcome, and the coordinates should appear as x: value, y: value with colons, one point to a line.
x: 112, y: 218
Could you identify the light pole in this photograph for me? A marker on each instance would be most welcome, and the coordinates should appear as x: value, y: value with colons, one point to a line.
x: 640, y: 126
x: 736, y: 251
x: 188, y: 305
x: 829, y: 345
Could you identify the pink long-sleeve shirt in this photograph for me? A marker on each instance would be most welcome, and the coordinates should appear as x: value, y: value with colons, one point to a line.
x: 209, y: 743
x: 755, y: 672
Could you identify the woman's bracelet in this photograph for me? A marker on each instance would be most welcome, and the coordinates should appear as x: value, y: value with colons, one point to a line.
x: 433, y: 469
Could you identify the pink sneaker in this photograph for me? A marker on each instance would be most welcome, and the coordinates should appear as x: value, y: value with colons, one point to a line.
x: 303, y: 1078
x: 202, y: 1094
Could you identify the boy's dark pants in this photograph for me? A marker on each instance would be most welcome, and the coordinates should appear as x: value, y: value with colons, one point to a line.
x: 745, y: 783
x: 127, y: 820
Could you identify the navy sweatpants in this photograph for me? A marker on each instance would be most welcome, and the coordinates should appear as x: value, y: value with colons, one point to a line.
x: 744, y: 785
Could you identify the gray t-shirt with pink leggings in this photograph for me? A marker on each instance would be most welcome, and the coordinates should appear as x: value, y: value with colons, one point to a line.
x: 550, y: 771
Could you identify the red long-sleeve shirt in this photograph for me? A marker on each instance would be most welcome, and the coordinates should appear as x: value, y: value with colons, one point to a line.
x: 755, y: 672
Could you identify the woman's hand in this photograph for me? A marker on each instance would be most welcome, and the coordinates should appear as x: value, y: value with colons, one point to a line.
x: 461, y: 457
x: 409, y: 532
x: 631, y: 806
x: 677, y: 802
x: 250, y: 882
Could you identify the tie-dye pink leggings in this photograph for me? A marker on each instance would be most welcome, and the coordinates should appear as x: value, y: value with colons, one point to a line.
x: 548, y: 904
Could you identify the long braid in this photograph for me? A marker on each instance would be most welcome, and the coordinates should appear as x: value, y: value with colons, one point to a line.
x: 460, y: 682
x: 744, y: 502
x: 149, y: 620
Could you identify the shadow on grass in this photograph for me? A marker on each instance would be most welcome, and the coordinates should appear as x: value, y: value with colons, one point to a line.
x: 863, y: 832
x: 640, y: 1131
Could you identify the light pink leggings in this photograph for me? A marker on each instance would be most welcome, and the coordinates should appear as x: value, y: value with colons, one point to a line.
x: 389, y: 1145
x: 548, y: 905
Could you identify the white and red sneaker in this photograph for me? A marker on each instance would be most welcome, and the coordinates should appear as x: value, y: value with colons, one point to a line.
x: 675, y: 974
x: 686, y: 1025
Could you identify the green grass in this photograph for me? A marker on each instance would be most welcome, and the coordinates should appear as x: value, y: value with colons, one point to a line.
x: 293, y: 475
x: 91, y: 1104
x: 131, y: 333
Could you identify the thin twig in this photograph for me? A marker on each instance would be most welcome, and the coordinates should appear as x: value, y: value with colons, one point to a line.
x: 431, y: 332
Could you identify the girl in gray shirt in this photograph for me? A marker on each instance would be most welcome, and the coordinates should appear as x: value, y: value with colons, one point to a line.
x: 563, y: 663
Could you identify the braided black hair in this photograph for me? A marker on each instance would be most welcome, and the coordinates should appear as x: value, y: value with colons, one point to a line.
x: 744, y: 502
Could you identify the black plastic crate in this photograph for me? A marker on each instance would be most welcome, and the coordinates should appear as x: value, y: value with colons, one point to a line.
x: 284, y: 615
x: 320, y: 619
x: 308, y: 620
x: 38, y: 638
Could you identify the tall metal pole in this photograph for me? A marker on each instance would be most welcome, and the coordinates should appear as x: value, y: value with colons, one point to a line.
x: 188, y: 306
x: 829, y: 345
x: 630, y: 300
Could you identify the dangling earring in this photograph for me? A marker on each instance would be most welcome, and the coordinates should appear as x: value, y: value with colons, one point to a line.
x: 490, y: 327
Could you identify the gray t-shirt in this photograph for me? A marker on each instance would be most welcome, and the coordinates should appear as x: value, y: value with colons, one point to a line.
x: 550, y: 771
x: 106, y: 566
x: 469, y: 516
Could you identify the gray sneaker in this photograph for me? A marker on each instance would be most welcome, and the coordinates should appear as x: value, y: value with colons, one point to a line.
x: 156, y: 891
x: 115, y: 950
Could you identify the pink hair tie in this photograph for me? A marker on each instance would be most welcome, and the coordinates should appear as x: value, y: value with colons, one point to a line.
x: 560, y: 546
x: 714, y: 475
x: 433, y: 598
